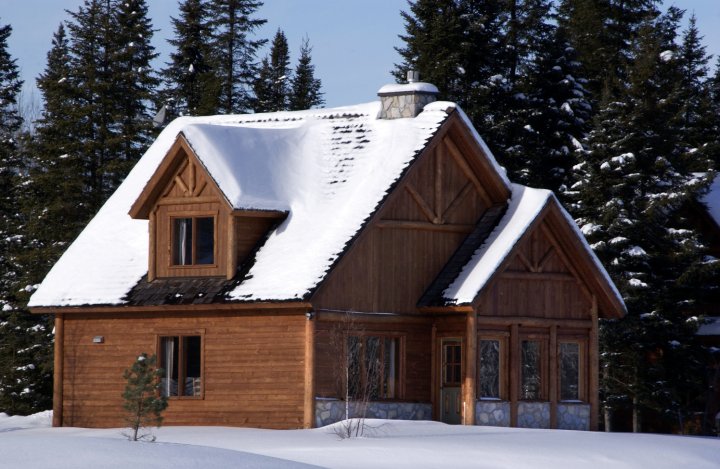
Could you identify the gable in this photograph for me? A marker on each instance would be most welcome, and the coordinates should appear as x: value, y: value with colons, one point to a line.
x: 536, y: 250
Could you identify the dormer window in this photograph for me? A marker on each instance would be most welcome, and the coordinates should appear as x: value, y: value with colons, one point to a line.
x: 193, y: 241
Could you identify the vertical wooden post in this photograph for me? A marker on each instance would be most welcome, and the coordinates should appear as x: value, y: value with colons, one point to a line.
x: 514, y: 372
x: 554, y: 377
x: 58, y: 371
x: 309, y: 398
x: 470, y: 368
x: 152, y: 255
x: 434, y: 374
x: 594, y: 371
x: 232, y: 249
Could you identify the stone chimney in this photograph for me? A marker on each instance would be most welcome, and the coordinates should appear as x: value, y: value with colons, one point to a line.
x: 406, y: 100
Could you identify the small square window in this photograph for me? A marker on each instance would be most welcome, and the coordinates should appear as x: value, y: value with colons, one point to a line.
x: 373, y: 367
x: 193, y: 241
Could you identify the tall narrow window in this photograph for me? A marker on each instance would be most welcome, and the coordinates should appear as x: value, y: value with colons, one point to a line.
x: 181, y: 358
x: 373, y: 364
x: 531, y: 373
x: 193, y: 241
x: 489, y: 376
x: 569, y: 371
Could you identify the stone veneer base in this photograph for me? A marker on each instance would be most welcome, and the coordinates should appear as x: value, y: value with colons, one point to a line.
x: 328, y: 411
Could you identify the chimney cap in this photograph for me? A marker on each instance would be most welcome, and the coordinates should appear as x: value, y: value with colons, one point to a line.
x: 408, y: 88
x: 413, y: 76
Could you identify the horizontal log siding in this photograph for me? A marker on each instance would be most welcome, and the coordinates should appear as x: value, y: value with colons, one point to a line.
x: 253, y: 368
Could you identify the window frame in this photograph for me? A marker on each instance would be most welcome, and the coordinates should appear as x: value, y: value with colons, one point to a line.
x: 159, y: 335
x: 194, y: 215
x: 399, y: 384
x: 503, y: 365
x: 582, y: 344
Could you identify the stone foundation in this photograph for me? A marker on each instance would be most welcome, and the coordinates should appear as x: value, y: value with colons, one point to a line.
x: 329, y: 411
x: 533, y: 415
x: 492, y: 413
x: 572, y: 416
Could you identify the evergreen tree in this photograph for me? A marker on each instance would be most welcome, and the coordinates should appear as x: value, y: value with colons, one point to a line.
x: 23, y: 378
x: 234, y: 51
x: 632, y: 187
x: 135, y: 84
x: 272, y: 83
x: 142, y: 403
x: 305, y: 88
x: 191, y: 87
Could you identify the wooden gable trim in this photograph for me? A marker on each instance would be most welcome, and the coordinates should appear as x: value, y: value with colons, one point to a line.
x: 249, y: 307
x: 584, y: 271
x: 174, y: 161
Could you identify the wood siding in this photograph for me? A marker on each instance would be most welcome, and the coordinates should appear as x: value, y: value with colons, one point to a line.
x: 537, y: 281
x: 412, y: 236
x: 253, y: 367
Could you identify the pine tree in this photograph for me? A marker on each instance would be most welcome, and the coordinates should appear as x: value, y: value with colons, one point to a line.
x: 305, y: 88
x: 632, y: 187
x: 24, y: 381
x: 142, y: 403
x: 272, y: 83
x: 191, y: 87
x: 234, y: 51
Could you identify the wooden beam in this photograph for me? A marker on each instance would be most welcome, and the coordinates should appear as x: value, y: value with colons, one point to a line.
x: 434, y: 374
x: 187, y: 200
x: 309, y: 397
x: 424, y: 207
x: 553, y: 276
x: 523, y: 321
x: 466, y: 169
x: 458, y: 199
x: 514, y: 373
x: 594, y: 365
x: 418, y: 225
x: 468, y: 388
x: 232, y: 248
x: 554, y: 377
x: 250, y: 307
x: 152, y: 246
x: 58, y: 361
x: 439, y: 209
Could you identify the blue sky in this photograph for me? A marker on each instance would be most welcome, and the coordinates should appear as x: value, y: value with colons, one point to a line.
x: 353, y: 40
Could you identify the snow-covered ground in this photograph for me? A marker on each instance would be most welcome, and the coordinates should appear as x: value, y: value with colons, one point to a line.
x: 29, y: 443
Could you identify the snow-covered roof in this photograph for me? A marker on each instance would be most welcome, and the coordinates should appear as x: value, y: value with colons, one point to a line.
x: 329, y: 169
x: 524, y: 207
x: 710, y: 327
x: 415, y: 87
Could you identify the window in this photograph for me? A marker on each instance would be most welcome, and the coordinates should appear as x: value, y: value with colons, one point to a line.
x: 193, y: 241
x: 373, y: 367
x: 531, y: 370
x: 570, y: 356
x: 491, y: 371
x: 181, y: 358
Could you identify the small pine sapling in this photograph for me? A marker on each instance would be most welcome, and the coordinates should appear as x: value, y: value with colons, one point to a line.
x: 143, y: 403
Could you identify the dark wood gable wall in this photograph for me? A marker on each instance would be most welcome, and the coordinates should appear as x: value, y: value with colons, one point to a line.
x: 422, y: 222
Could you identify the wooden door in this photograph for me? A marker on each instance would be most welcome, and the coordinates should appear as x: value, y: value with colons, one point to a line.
x: 450, y: 381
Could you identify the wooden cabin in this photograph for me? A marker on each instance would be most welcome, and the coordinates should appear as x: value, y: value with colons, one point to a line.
x: 263, y: 256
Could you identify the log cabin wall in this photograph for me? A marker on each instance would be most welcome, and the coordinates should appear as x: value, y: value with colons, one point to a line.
x: 252, y: 367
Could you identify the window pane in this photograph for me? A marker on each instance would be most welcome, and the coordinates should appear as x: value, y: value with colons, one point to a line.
x: 391, y: 368
x: 182, y: 241
x: 205, y: 252
x: 490, y: 368
x: 372, y: 367
x: 530, y: 386
x: 569, y: 371
x: 169, y: 362
x: 192, y: 365
x: 354, y: 371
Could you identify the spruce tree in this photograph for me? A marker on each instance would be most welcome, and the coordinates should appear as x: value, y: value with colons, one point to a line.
x: 142, y: 402
x: 272, y: 83
x: 191, y: 86
x: 24, y: 379
x: 305, y: 90
x: 234, y: 51
x: 631, y: 190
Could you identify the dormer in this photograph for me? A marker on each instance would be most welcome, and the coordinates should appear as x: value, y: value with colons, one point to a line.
x: 193, y: 230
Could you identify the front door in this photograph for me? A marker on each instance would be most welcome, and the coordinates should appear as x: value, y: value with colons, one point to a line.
x: 450, y: 381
